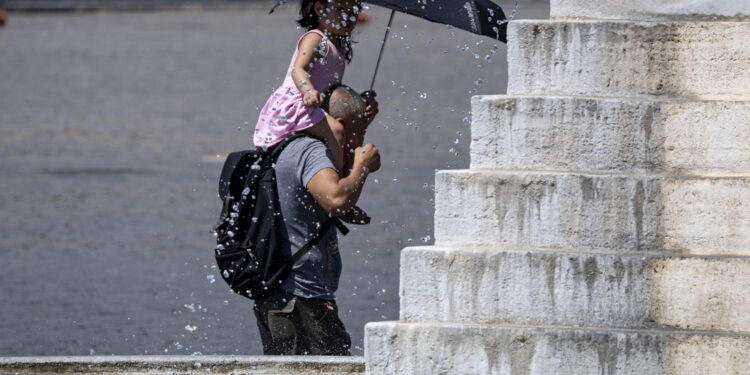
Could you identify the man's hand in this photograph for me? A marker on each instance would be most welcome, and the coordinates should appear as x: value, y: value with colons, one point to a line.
x: 312, y: 98
x: 367, y: 157
x: 372, y: 105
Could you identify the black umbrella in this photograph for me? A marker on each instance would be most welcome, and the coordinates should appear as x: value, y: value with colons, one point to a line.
x: 482, y: 17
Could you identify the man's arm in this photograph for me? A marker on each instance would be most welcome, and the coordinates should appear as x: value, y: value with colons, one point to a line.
x: 337, y: 195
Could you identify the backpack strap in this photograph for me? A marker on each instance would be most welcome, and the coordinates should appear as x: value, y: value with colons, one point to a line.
x: 309, y: 245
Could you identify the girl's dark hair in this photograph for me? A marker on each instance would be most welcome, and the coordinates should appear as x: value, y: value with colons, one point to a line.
x: 310, y: 20
x: 307, y: 16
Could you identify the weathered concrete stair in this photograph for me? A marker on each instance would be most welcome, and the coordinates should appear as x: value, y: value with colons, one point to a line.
x: 512, y: 209
x: 714, y: 10
x: 483, y: 285
x: 629, y: 59
x: 450, y: 348
x: 610, y: 134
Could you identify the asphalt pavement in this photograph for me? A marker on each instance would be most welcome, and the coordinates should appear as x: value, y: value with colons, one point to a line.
x: 113, y: 127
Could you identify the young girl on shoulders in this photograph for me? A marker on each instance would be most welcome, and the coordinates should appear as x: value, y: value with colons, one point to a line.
x: 318, y: 63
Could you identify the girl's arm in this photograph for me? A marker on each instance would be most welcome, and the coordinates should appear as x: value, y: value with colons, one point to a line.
x: 311, y: 48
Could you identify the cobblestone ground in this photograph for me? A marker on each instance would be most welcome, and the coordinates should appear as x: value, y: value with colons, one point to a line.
x: 110, y: 127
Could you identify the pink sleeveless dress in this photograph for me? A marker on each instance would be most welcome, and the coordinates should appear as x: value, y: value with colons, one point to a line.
x: 284, y: 112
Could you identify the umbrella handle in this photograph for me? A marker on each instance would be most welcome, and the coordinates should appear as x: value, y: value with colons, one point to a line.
x: 382, y: 47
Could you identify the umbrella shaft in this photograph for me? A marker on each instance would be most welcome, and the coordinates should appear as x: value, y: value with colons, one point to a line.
x: 382, y: 47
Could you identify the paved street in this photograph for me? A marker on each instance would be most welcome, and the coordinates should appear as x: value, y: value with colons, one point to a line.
x: 110, y: 128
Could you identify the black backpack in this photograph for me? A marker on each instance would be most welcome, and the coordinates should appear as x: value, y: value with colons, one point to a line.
x: 248, y: 234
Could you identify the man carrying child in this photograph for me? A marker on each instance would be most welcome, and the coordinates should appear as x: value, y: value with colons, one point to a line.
x: 301, y: 317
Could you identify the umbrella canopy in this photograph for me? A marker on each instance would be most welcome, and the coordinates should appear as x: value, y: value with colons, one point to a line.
x: 482, y: 17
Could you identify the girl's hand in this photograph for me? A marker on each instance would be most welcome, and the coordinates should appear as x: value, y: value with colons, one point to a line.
x: 372, y: 105
x: 312, y: 98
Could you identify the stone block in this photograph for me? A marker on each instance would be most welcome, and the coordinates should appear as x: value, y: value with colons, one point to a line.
x: 651, y: 10
x: 183, y: 365
x: 693, y: 60
x: 515, y: 209
x: 632, y: 290
x: 444, y: 348
x: 596, y: 134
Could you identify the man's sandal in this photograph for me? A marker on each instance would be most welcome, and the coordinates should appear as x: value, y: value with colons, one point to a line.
x: 355, y: 216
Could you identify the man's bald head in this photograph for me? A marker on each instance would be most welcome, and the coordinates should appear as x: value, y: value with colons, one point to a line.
x: 345, y: 103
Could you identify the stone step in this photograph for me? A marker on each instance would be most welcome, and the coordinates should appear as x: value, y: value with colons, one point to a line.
x: 651, y: 10
x: 183, y: 365
x: 632, y: 290
x: 444, y: 348
x: 597, y: 134
x: 529, y: 209
x: 609, y: 58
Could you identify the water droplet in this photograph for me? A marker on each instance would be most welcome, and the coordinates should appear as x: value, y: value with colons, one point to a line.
x: 466, y: 121
x: 455, y: 141
x: 211, y: 279
x: 426, y: 239
x: 190, y: 328
x: 225, y: 273
x: 197, y: 365
x: 422, y: 95
x: 376, y: 181
x: 492, y: 53
x: 478, y: 82
x: 395, y: 179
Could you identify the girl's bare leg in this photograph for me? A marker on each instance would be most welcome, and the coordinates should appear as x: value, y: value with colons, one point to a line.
x: 332, y: 132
